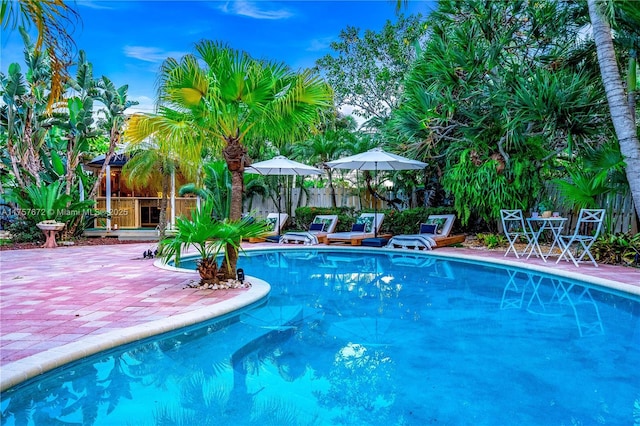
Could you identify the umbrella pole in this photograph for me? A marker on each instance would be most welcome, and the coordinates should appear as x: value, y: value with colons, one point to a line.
x: 375, y: 205
x: 279, y: 195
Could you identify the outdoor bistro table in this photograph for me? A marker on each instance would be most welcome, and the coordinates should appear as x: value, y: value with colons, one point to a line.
x: 540, y: 224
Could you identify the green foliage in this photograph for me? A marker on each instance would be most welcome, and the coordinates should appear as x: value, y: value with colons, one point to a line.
x: 408, y: 221
x: 217, y: 188
x: 492, y: 240
x: 48, y: 202
x: 497, y: 93
x: 25, y: 231
x: 546, y: 205
x: 480, y: 188
x: 598, y: 172
x: 208, y: 235
x: 305, y: 215
x: 368, y: 69
x: 617, y: 249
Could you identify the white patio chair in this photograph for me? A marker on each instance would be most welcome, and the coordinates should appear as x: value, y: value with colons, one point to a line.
x: 587, y: 230
x: 515, y: 229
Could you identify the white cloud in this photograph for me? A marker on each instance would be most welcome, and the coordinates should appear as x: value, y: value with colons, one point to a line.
x: 93, y: 4
x: 254, y: 10
x: 145, y: 105
x: 319, y: 44
x: 150, y: 54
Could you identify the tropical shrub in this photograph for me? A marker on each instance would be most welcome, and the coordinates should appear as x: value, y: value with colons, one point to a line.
x: 47, y: 202
x: 25, y: 231
x: 492, y: 240
x: 210, y: 237
x: 408, y: 221
x: 617, y: 249
x: 305, y: 215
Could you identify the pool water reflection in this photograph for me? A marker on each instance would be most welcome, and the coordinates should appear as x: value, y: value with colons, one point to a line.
x: 361, y: 337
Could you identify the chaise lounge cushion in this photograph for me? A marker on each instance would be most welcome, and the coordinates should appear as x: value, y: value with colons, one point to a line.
x: 358, y: 227
x: 428, y: 228
x: 375, y: 242
x: 317, y: 227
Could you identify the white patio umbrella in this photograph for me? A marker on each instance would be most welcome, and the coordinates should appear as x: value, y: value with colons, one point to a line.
x: 281, y: 165
x: 376, y: 159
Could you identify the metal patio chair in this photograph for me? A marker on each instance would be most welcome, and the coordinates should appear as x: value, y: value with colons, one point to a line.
x: 515, y: 229
x: 578, y: 245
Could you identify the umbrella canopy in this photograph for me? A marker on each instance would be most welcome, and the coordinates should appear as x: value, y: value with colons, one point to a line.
x: 376, y: 159
x: 281, y: 165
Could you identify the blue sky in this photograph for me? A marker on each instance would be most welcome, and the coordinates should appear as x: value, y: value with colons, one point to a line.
x: 128, y: 40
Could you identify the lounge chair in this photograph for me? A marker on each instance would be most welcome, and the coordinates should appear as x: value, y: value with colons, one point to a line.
x: 363, y: 228
x: 276, y: 228
x: 434, y: 232
x: 322, y: 225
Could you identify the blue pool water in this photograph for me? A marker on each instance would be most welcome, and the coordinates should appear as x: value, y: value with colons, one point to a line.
x: 364, y: 338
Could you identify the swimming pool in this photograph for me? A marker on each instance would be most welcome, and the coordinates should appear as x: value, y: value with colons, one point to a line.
x: 361, y: 337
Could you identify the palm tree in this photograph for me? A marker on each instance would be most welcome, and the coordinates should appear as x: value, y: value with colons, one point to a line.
x: 220, y: 97
x: 209, y: 236
x: 215, y: 185
x: 115, y: 103
x: 53, y: 20
x: 151, y: 165
x: 621, y: 113
x: 330, y: 145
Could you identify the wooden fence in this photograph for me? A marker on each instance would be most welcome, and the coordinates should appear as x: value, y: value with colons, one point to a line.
x: 621, y: 215
x: 313, y: 197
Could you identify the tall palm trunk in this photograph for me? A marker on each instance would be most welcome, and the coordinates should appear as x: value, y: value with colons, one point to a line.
x: 166, y: 177
x: 621, y: 114
x: 236, y: 157
x: 332, y: 189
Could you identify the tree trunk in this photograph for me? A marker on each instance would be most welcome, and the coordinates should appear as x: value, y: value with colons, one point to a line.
x: 228, y: 269
x: 332, y: 189
x: 621, y: 114
x: 163, y: 203
x: 632, y: 84
x: 236, y: 157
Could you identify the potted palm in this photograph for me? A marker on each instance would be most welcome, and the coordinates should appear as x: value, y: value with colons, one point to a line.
x: 209, y: 236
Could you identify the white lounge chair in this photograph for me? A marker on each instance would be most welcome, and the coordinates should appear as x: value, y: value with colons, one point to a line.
x: 322, y: 225
x: 277, y: 221
x: 433, y: 232
x: 366, y: 226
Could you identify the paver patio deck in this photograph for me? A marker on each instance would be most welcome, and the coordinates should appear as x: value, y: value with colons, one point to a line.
x: 50, y: 298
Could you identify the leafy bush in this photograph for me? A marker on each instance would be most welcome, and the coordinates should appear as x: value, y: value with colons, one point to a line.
x: 492, y: 240
x: 305, y: 215
x: 408, y: 221
x: 25, y: 231
x: 48, y: 202
x: 617, y: 249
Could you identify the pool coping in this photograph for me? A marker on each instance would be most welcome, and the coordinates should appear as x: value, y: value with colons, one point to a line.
x: 26, y: 368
